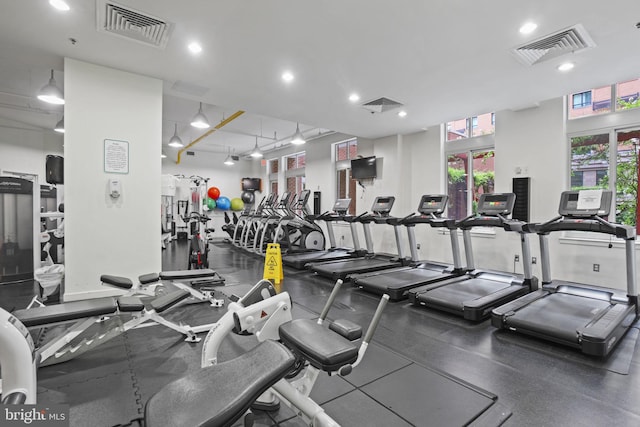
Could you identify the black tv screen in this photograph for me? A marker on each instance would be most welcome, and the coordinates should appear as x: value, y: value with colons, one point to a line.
x: 363, y: 168
x: 251, y: 184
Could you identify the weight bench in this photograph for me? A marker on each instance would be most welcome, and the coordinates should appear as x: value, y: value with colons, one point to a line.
x: 108, y: 313
x: 200, y: 277
x: 219, y: 395
x: 147, y: 284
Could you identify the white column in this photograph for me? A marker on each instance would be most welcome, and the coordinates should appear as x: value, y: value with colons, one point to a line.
x: 104, y: 235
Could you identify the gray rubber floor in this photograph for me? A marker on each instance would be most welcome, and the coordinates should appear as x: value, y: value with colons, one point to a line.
x: 424, y: 368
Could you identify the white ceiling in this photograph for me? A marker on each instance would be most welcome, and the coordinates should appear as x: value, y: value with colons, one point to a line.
x: 443, y: 59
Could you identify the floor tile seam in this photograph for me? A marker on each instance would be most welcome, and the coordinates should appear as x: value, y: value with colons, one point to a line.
x: 387, y: 408
x: 132, y: 371
x: 117, y: 373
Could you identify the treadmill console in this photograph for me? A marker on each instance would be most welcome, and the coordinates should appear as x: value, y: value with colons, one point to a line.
x: 496, y: 204
x: 585, y: 203
x: 342, y: 206
x: 432, y: 204
x: 382, y: 205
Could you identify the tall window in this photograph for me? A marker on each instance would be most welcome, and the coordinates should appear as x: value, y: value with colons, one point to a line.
x: 592, y: 167
x: 345, y: 185
x: 273, y: 167
x: 598, y: 100
x: 295, y: 172
x: 464, y: 193
x: 470, y: 167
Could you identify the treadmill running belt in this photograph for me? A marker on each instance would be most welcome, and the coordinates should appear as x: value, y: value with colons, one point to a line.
x: 563, y: 315
x: 356, y: 265
x: 454, y: 295
x: 402, y: 279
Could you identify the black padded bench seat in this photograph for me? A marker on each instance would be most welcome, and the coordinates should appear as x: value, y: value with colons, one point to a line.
x: 187, y: 274
x: 117, y: 281
x: 164, y: 302
x: 149, y: 278
x: 325, y: 350
x: 67, y: 311
x: 219, y: 395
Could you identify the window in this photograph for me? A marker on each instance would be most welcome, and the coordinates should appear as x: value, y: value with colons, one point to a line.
x: 464, y: 193
x: 582, y: 99
x: 346, y: 150
x: 483, y: 124
x: 626, y: 94
x: 591, y: 167
x: 273, y: 167
x: 345, y: 185
x: 295, y: 173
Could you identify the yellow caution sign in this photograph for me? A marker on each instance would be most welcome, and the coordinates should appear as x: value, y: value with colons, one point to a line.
x: 273, y: 265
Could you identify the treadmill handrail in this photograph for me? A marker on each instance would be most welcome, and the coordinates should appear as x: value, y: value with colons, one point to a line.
x: 480, y: 221
x: 594, y: 224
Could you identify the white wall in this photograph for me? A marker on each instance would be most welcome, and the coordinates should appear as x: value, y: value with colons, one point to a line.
x: 104, y: 235
x: 24, y: 149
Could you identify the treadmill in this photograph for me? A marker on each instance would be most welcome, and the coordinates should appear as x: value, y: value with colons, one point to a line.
x: 370, y: 261
x: 590, y: 318
x: 396, y: 282
x: 474, y: 294
x: 333, y: 253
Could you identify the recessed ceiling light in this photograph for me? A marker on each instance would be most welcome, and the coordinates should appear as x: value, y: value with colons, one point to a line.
x: 287, y: 76
x: 59, y: 4
x: 402, y: 114
x: 195, y: 47
x: 528, y: 28
x: 566, y: 66
x: 354, y: 97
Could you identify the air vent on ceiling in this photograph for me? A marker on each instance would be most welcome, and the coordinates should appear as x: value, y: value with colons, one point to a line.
x: 191, y: 153
x: 570, y: 40
x: 381, y: 105
x: 129, y: 23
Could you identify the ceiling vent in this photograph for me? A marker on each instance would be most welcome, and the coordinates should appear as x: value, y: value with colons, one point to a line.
x: 570, y: 40
x: 132, y: 24
x: 381, y: 105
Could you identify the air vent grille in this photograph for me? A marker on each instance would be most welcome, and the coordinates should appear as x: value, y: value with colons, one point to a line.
x: 570, y: 40
x: 125, y: 22
x: 381, y: 105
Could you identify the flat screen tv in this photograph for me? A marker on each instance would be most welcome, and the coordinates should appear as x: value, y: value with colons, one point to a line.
x: 363, y: 168
x: 251, y: 184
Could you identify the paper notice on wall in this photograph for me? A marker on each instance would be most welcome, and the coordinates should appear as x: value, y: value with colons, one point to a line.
x: 116, y: 156
x: 589, y: 199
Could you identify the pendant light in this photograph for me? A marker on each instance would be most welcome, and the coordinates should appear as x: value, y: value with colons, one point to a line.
x: 298, y: 138
x: 256, y: 153
x: 59, y: 127
x: 200, y: 121
x: 51, y: 93
x: 175, y: 140
x: 229, y: 161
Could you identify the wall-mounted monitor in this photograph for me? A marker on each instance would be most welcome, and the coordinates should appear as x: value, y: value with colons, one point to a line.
x: 363, y: 168
x: 251, y: 184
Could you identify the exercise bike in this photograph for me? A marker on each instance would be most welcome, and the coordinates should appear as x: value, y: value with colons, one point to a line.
x: 199, y: 244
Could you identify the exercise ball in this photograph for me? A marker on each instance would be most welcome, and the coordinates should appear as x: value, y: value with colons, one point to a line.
x: 237, y: 204
x: 248, y: 197
x: 211, y: 204
x: 223, y: 203
x: 213, y: 192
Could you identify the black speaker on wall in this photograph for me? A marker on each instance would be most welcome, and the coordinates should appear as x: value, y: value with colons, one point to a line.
x: 316, y: 203
x: 522, y: 189
x: 55, y: 169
